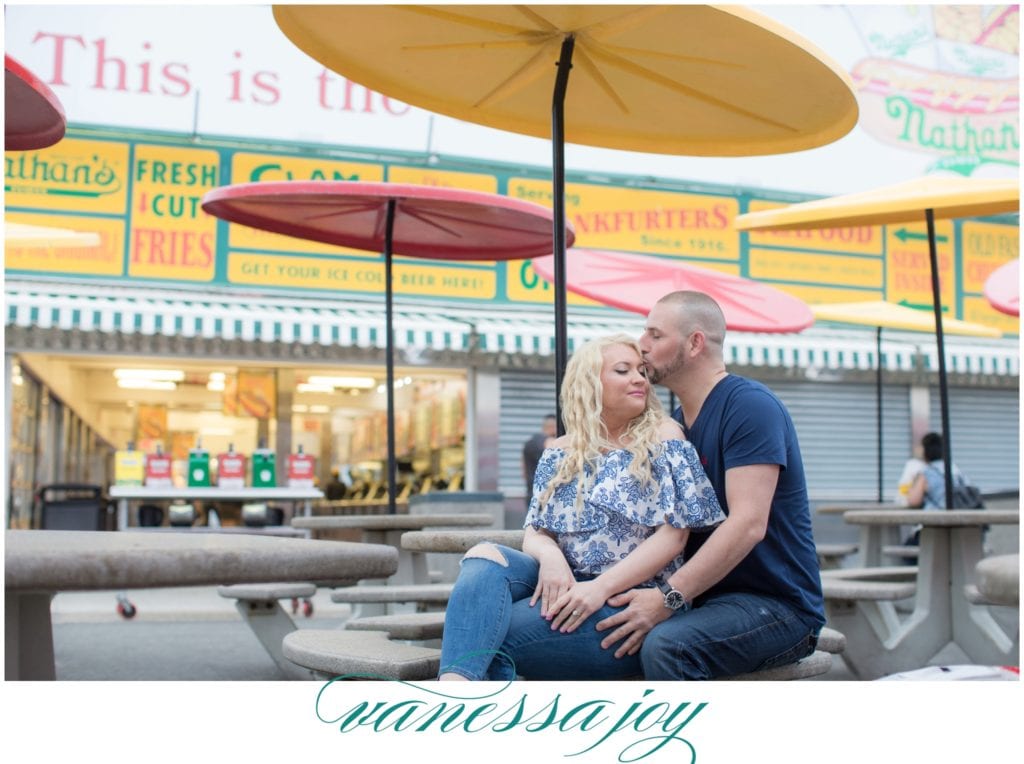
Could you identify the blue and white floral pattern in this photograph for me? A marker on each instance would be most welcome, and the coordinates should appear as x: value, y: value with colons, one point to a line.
x: 620, y: 512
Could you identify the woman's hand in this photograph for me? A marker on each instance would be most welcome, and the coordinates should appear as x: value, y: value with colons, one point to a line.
x: 554, y: 579
x: 576, y: 605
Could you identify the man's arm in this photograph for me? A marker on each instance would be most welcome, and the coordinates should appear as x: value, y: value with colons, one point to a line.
x: 749, y: 491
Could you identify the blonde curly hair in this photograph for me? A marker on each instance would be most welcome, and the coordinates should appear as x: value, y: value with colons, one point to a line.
x: 581, y: 397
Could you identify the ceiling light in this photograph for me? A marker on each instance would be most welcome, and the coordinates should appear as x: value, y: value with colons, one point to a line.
x: 217, y: 376
x: 362, y: 382
x: 146, y: 384
x: 162, y: 375
x: 308, y: 387
x: 319, y: 408
x: 215, y: 385
x: 300, y: 408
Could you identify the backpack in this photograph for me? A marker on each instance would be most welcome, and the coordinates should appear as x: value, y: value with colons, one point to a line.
x: 965, y: 495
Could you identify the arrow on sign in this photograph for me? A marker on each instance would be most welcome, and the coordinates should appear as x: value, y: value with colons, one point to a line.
x: 921, y: 305
x: 903, y: 234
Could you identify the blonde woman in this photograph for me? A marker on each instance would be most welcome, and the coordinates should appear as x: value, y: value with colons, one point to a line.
x: 614, y: 500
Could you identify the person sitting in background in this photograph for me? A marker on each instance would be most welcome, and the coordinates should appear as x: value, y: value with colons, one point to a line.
x: 928, y: 491
x: 335, y: 489
x: 913, y: 467
x: 532, y: 450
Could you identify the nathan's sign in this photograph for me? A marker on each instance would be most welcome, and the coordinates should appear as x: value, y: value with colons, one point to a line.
x: 966, y: 121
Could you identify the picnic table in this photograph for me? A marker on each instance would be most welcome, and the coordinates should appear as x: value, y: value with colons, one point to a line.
x: 870, y: 551
x: 879, y: 641
x: 39, y: 564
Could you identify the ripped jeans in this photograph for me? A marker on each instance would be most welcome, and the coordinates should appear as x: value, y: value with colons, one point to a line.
x: 492, y: 633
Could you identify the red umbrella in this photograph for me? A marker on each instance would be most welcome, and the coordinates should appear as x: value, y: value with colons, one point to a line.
x: 33, y: 116
x: 392, y: 218
x: 635, y: 282
x: 1002, y: 288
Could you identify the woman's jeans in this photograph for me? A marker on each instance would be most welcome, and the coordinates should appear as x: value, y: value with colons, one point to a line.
x: 727, y: 634
x: 492, y: 633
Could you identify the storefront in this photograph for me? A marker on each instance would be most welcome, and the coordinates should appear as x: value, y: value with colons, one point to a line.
x: 471, y: 387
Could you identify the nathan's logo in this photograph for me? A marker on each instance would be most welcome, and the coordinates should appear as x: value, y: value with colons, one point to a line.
x: 966, y: 121
x: 57, y: 174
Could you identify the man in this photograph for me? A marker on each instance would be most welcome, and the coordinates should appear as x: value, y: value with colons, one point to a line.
x: 753, y: 583
x: 532, y: 450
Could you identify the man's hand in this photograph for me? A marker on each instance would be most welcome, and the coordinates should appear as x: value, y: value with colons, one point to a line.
x: 646, y: 609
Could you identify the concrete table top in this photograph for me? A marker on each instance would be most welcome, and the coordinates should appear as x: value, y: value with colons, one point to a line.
x: 78, y: 560
x: 999, y: 579
x: 458, y: 541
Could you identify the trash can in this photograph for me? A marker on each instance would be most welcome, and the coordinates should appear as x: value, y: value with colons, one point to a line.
x: 73, y: 507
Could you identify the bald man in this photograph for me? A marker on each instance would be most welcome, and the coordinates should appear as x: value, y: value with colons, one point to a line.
x: 749, y: 595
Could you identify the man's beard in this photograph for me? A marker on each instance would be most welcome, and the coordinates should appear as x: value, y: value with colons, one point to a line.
x: 655, y: 375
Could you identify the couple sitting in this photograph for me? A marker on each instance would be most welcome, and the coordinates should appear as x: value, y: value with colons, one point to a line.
x: 671, y: 550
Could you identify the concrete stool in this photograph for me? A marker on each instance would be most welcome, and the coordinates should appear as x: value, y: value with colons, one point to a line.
x: 359, y: 655
x: 260, y: 607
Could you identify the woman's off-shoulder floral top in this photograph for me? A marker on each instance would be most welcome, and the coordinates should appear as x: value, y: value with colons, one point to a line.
x: 618, y: 512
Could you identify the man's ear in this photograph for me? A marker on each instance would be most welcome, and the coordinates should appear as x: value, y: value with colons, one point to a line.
x: 697, y: 342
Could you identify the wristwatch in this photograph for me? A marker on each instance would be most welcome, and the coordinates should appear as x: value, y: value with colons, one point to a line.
x: 674, y: 599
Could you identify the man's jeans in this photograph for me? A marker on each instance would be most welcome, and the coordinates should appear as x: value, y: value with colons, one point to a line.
x: 727, y: 634
x: 491, y: 632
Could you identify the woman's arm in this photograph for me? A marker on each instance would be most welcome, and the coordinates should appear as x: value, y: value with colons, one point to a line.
x: 650, y: 557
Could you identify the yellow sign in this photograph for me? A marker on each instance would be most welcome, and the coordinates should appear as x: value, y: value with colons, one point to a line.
x: 129, y: 467
x: 818, y: 295
x: 783, y: 265
x: 70, y: 176
x: 978, y: 310
x: 171, y: 237
x: 986, y: 246
x: 861, y: 240
x: 636, y: 220
x: 255, y: 168
x: 151, y: 422
x: 420, y: 176
x: 360, y: 276
x: 256, y: 394
x: 104, y: 259
x: 908, y: 267
x: 522, y: 284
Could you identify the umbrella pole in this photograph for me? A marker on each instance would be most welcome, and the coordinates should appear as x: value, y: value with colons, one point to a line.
x: 878, y: 403
x: 390, y: 359
x: 947, y: 451
x: 558, y: 197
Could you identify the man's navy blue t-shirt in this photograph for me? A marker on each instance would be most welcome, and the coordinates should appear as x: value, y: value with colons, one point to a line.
x: 742, y: 423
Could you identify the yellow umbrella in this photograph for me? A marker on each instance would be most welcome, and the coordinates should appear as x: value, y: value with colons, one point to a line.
x: 904, y: 202
x: 889, y: 315
x: 683, y: 79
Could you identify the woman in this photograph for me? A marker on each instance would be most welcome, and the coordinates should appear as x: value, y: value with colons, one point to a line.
x: 614, y: 499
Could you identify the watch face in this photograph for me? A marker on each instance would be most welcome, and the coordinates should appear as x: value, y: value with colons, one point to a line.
x: 674, y: 600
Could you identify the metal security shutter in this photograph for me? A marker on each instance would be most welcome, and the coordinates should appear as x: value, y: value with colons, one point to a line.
x: 984, y: 434
x: 526, y: 397
x: 837, y: 428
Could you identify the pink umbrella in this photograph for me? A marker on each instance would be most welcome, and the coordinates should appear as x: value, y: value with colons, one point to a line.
x: 33, y: 116
x: 392, y: 218
x: 635, y: 282
x: 1002, y: 288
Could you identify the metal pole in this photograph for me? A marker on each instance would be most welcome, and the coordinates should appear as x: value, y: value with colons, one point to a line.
x: 947, y: 459
x: 558, y: 197
x: 878, y: 404
x: 390, y: 360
